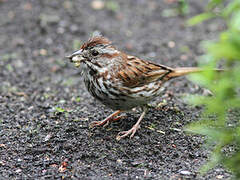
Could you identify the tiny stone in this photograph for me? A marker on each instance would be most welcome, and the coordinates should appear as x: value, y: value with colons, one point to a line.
x: 97, y: 4
x: 119, y: 161
x: 18, y: 63
x: 48, y: 88
x: 185, y: 172
x: 171, y: 44
x: 47, y: 137
x: 60, y: 30
x: 43, y: 52
x: 219, y: 176
x: 43, y: 116
x: 18, y: 170
x: 49, y: 41
x: 62, y: 101
x: 74, y: 28
x: 30, y: 108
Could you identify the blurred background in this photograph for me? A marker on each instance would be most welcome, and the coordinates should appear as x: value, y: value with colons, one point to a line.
x: 45, y: 109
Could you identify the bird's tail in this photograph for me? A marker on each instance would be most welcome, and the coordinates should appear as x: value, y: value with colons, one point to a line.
x: 187, y: 70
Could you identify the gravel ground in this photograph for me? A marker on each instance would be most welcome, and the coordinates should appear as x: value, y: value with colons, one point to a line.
x: 45, y: 109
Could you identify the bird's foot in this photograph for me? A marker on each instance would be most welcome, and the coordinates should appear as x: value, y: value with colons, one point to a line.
x: 130, y: 132
x: 133, y: 130
x: 106, y: 121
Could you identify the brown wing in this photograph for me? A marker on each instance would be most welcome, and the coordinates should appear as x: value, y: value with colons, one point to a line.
x: 136, y: 72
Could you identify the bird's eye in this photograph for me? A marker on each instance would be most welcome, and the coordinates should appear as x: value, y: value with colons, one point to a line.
x: 94, y: 52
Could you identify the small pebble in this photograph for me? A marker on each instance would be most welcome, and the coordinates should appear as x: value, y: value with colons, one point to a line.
x: 97, y: 4
x: 47, y: 137
x: 171, y: 44
x: 74, y: 28
x: 137, y: 162
x: 43, y: 52
x: 185, y: 172
x: 119, y: 161
x: 60, y: 30
x: 18, y: 170
x: 219, y: 176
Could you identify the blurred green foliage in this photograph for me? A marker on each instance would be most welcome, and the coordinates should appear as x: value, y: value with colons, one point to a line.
x: 112, y: 5
x: 223, y: 130
x: 59, y: 110
x: 181, y: 8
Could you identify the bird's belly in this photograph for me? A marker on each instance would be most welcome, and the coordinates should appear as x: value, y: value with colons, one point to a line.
x: 121, y: 98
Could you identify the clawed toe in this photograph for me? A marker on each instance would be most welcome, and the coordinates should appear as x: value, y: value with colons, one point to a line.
x: 130, y: 132
x: 106, y: 121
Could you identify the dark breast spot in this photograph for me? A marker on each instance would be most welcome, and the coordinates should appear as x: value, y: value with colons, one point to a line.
x: 92, y: 72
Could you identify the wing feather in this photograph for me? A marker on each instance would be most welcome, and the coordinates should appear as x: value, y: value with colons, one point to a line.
x: 137, y: 72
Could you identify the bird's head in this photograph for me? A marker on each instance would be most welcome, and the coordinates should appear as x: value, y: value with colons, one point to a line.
x: 94, y: 52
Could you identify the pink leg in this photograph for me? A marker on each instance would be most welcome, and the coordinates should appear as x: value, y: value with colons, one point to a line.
x: 106, y: 121
x: 133, y: 130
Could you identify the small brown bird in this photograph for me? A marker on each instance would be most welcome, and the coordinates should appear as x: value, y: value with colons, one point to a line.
x: 121, y: 81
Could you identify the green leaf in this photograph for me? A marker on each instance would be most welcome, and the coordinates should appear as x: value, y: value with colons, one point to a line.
x: 210, y: 164
x: 58, y: 109
x: 195, y: 99
x: 220, y: 122
x: 235, y: 21
x: 112, y: 5
x: 200, y: 18
x: 78, y: 99
x: 224, y: 50
x: 231, y: 7
x: 232, y: 163
x: 214, y: 3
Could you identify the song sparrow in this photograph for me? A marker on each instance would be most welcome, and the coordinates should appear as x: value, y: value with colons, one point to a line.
x: 121, y: 81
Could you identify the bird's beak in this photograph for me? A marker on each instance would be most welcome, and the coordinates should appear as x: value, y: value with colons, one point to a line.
x: 76, y: 58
